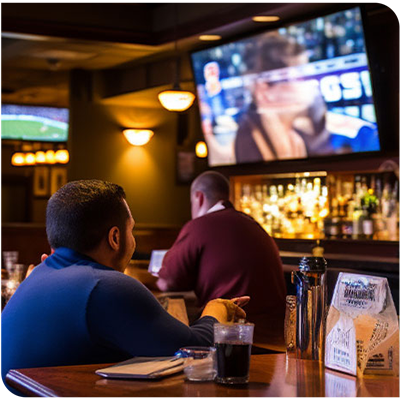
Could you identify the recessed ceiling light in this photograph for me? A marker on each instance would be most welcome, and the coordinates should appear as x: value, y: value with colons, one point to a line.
x: 209, y: 38
x: 266, y: 18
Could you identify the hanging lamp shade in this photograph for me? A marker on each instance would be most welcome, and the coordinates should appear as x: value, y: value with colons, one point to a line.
x: 176, y: 99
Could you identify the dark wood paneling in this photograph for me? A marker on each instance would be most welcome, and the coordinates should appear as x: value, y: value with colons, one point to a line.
x: 30, y: 240
x: 153, y: 238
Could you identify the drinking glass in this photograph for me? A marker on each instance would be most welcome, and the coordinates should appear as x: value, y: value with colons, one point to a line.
x: 10, y: 258
x: 5, y: 293
x: 199, y: 363
x: 290, y: 325
x: 233, y: 343
x: 16, y: 272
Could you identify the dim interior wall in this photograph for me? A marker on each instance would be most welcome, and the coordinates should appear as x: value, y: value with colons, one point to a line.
x: 19, y: 203
x: 99, y: 150
x: 16, y: 191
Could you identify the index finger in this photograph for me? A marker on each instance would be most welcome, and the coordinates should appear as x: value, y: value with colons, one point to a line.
x: 241, y: 301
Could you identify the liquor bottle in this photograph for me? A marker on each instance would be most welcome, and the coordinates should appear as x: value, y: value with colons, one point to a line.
x: 357, y: 208
x: 367, y: 224
x: 389, y: 207
x: 256, y: 205
x: 332, y: 222
x: 356, y: 218
x: 348, y: 222
x: 245, y: 200
x: 380, y: 229
x: 369, y: 205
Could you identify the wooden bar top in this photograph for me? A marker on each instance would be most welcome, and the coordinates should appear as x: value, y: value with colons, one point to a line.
x: 271, y: 375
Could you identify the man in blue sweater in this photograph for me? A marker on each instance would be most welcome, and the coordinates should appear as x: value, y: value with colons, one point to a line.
x: 77, y: 307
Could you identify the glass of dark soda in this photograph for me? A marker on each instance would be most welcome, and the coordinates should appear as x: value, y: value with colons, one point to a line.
x: 233, y: 343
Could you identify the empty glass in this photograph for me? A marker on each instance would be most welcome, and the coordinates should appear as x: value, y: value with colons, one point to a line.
x: 5, y: 293
x: 199, y: 363
x: 10, y: 258
x: 16, y: 272
x: 8, y: 288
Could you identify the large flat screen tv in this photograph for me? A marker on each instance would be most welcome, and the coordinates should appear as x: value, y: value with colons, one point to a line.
x: 303, y: 90
x: 34, y: 123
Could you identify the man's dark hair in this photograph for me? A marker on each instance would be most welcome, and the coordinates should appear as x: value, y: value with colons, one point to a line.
x: 81, y: 213
x: 213, y: 184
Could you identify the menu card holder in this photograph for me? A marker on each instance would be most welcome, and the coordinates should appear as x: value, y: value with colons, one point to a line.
x: 362, y: 329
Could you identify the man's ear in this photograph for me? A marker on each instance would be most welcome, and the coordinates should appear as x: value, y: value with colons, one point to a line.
x: 114, y: 238
x: 200, y: 197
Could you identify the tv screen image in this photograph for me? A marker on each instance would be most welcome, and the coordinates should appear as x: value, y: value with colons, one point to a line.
x: 34, y: 123
x: 300, y: 91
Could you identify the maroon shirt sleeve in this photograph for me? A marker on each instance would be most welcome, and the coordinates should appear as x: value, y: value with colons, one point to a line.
x: 180, y: 264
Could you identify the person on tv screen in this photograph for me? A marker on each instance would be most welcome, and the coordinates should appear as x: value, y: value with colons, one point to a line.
x: 213, y: 106
x: 288, y: 117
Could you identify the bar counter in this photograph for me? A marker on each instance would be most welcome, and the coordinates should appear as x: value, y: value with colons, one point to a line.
x: 271, y: 375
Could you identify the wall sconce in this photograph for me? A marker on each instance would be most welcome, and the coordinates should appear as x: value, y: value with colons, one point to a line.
x: 138, y: 137
x: 201, y: 150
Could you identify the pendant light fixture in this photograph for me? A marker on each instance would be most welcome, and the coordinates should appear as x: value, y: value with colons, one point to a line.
x: 176, y: 99
x: 138, y: 137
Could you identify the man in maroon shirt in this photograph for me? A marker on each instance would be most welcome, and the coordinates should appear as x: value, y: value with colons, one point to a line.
x: 224, y: 253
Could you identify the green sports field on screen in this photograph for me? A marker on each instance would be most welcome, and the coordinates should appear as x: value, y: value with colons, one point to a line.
x: 31, y: 127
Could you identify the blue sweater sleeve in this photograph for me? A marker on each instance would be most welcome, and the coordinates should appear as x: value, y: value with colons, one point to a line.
x: 123, y: 314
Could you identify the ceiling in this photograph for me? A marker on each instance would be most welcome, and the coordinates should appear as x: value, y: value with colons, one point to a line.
x: 42, y: 42
x: 37, y: 71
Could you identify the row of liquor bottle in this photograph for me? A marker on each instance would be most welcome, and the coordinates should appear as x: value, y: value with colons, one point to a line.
x: 320, y: 205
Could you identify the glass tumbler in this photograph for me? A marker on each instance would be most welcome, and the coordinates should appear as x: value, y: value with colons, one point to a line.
x: 290, y: 326
x: 10, y: 258
x: 233, y: 343
x: 198, y: 363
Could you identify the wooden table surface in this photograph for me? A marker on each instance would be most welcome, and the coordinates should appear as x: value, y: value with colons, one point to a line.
x: 271, y: 375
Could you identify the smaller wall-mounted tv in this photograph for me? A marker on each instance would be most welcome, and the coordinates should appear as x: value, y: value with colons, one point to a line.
x: 300, y: 91
x: 34, y: 123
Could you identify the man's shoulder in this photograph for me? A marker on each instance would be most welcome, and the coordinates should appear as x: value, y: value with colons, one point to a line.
x: 221, y: 220
x: 85, y: 272
x: 113, y: 284
x: 226, y: 214
x: 113, y: 276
